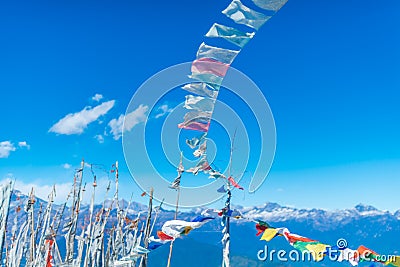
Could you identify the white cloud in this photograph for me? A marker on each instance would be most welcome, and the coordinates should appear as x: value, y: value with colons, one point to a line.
x: 116, y: 126
x: 24, y: 144
x: 67, y: 166
x: 6, y: 147
x: 128, y: 122
x: 99, y: 138
x: 164, y: 109
x: 97, y: 97
x: 76, y: 123
x: 42, y: 191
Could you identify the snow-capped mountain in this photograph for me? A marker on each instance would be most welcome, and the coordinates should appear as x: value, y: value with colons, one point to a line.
x: 397, y: 214
x: 319, y: 218
x: 361, y: 225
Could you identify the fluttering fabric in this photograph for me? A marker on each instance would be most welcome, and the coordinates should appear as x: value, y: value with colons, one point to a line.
x: 241, y: 14
x: 269, y: 234
x: 174, y: 229
x: 261, y: 226
x: 212, y: 63
x: 215, y: 175
x: 199, y: 103
x: 195, y: 141
x: 219, y: 54
x: 201, y: 150
x: 163, y: 236
x: 196, y: 120
x: 316, y: 249
x: 177, y: 228
x: 214, y: 213
x: 202, y: 165
x: 5, y: 196
x: 394, y: 262
x: 201, y: 218
x: 234, y: 183
x: 209, y: 65
x: 222, y: 189
x: 201, y: 89
x: 272, y: 5
x: 177, y: 181
x: 348, y: 255
x: 230, y: 34
x: 213, y: 80
x: 49, y: 252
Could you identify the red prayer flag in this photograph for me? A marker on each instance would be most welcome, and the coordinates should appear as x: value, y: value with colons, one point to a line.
x: 366, y: 253
x: 294, y: 238
x: 260, y: 229
x: 208, y: 65
x: 194, y: 125
x: 49, y: 259
x: 230, y: 179
x: 164, y: 236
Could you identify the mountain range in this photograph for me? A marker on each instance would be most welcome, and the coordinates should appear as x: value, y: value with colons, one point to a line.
x: 362, y: 225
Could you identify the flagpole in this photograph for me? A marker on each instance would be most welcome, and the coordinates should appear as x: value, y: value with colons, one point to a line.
x: 32, y: 230
x: 226, y: 231
x: 77, y: 198
x: 175, y: 216
x: 7, y: 210
x: 226, y: 239
x: 177, y: 183
x: 177, y: 203
x: 89, y: 229
x: 119, y: 239
x: 143, y: 262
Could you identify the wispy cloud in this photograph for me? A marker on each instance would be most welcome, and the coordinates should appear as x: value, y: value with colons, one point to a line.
x: 6, y: 147
x: 24, y: 144
x: 99, y: 138
x: 97, y: 97
x: 128, y: 122
x: 67, y: 166
x: 163, y: 109
x: 76, y: 123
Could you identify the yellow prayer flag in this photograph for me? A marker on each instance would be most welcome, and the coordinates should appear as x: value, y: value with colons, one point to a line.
x: 317, y: 251
x: 394, y: 262
x: 268, y: 234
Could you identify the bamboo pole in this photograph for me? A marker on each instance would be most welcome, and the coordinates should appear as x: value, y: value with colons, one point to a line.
x: 90, y: 228
x: 33, y: 241
x: 3, y: 237
x: 180, y: 171
x: 75, y: 209
x: 103, y: 254
x: 175, y: 216
x: 143, y: 262
x: 226, y: 239
x: 226, y: 231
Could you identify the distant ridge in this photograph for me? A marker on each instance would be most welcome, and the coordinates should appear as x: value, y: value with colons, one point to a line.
x: 363, y: 224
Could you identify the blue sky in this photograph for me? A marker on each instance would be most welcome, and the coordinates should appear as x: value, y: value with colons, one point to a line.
x: 329, y: 70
